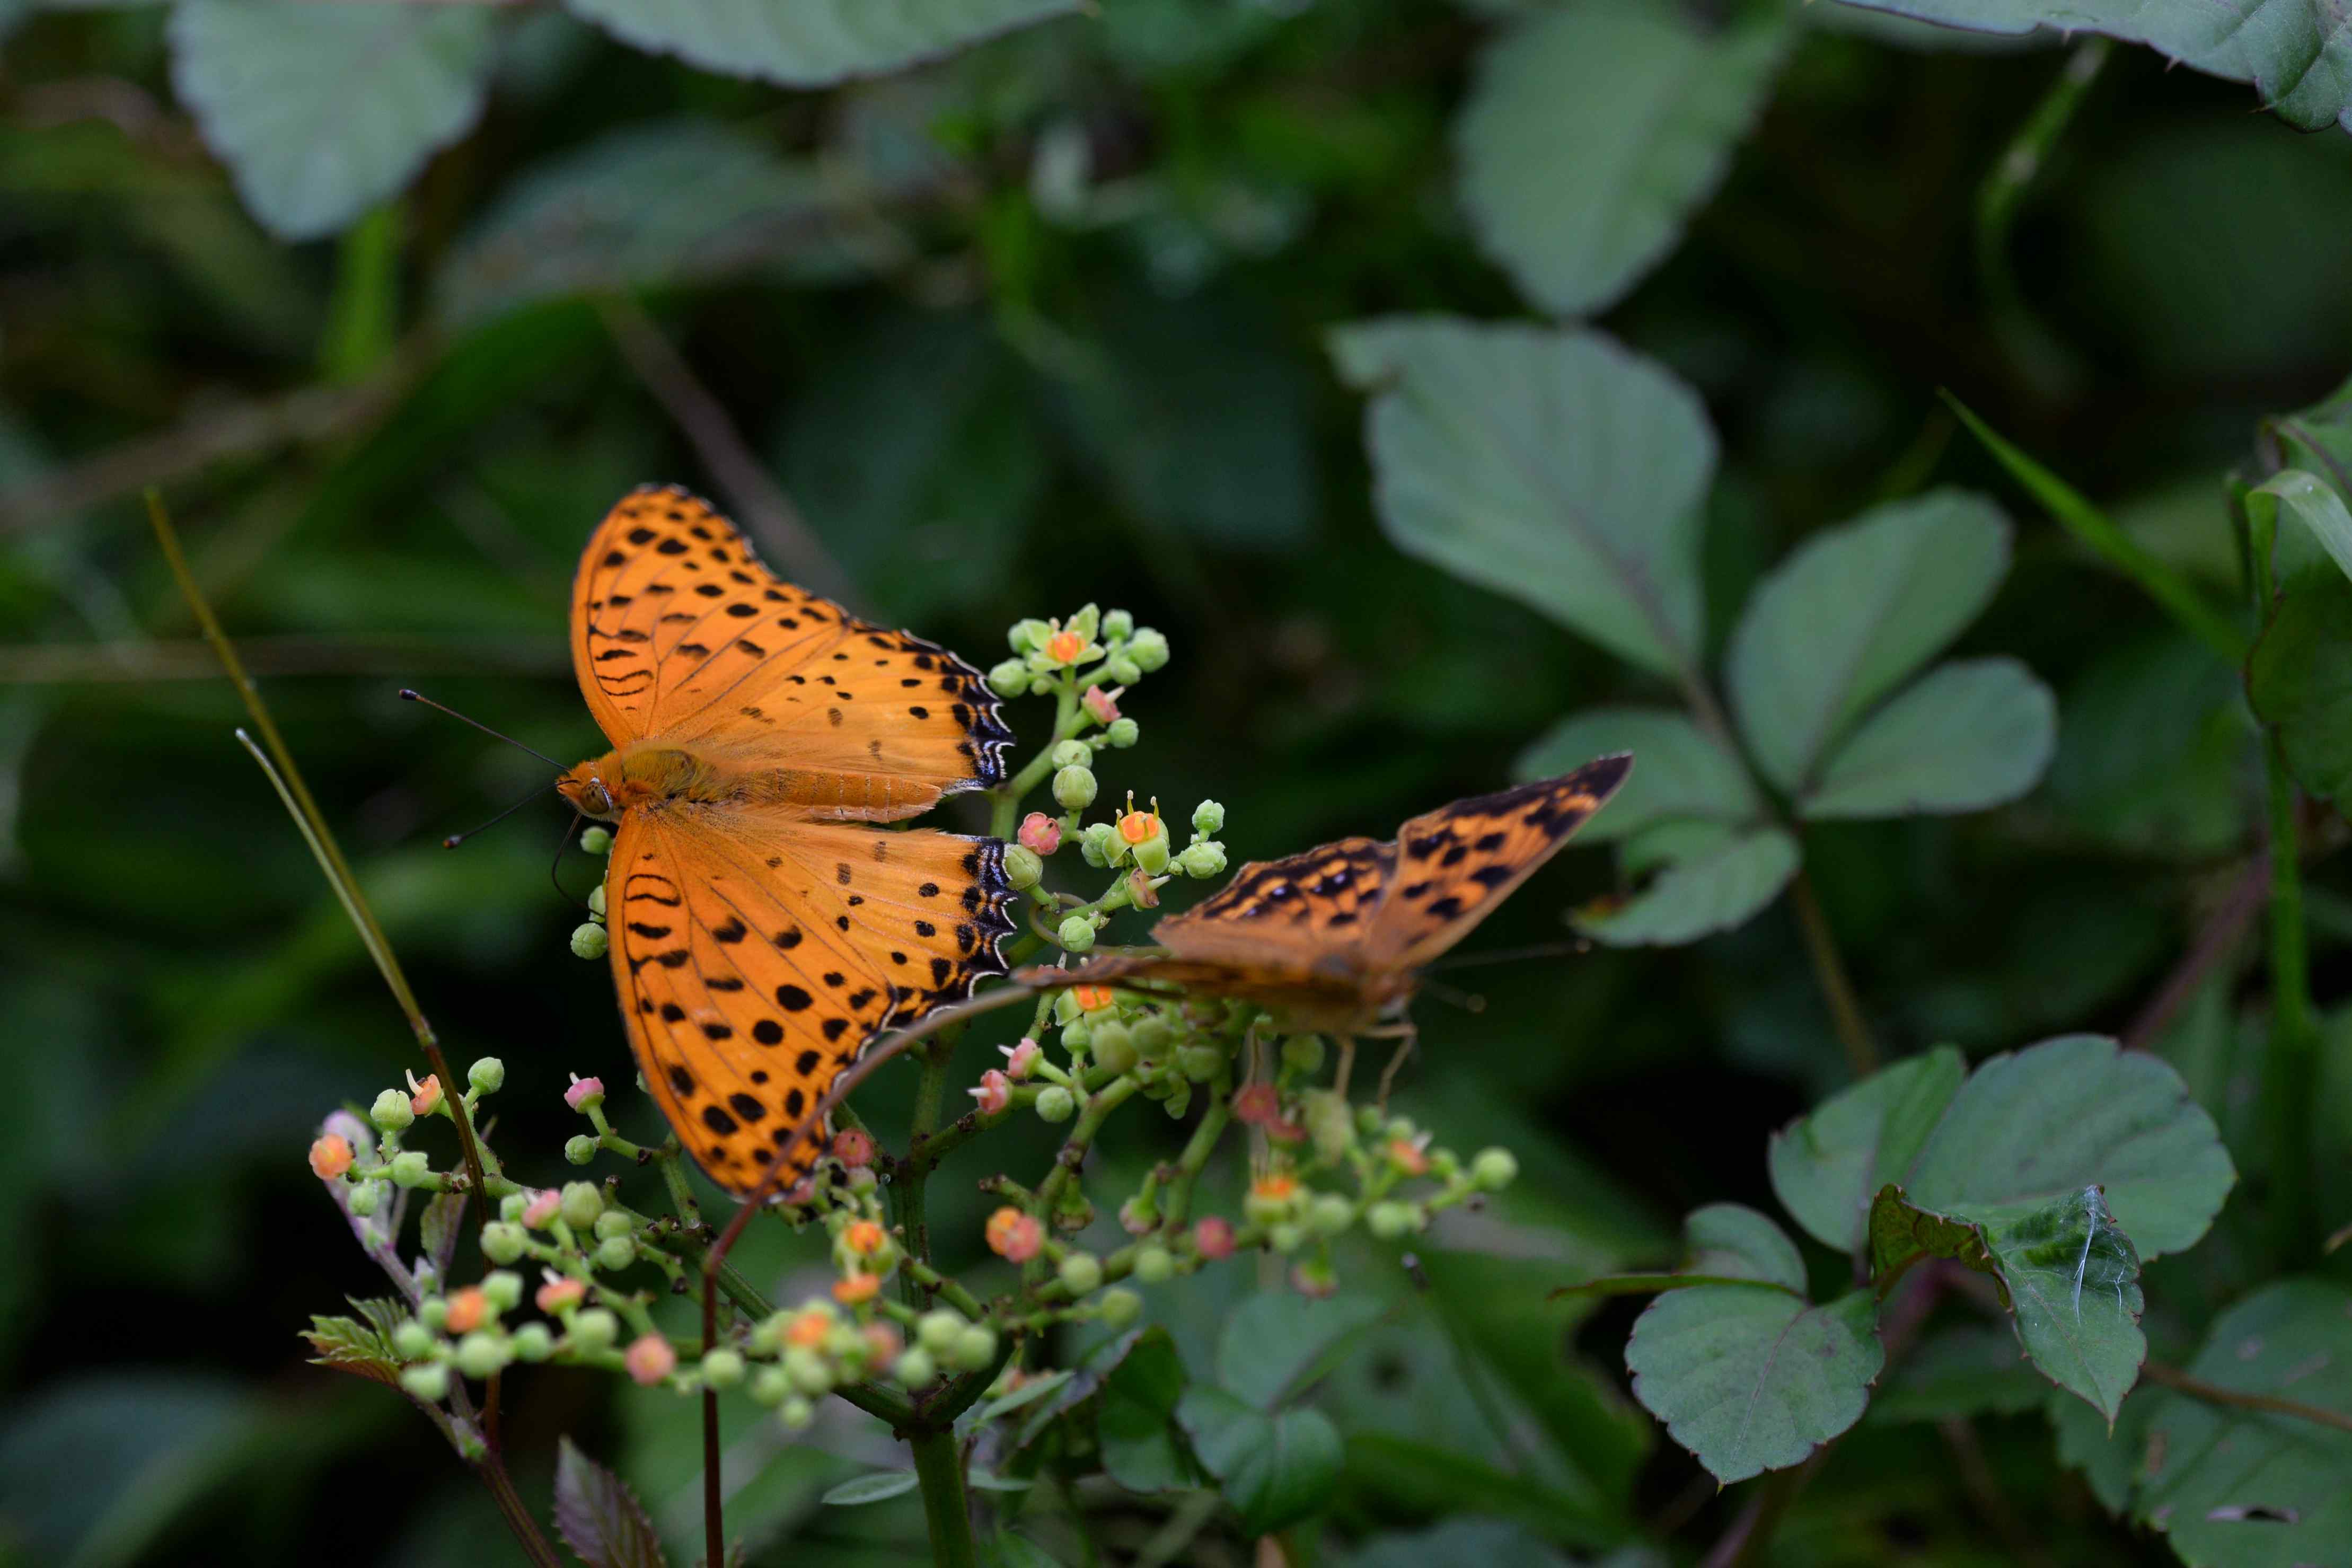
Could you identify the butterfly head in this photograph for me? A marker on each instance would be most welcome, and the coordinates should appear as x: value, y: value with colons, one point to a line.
x: 585, y: 788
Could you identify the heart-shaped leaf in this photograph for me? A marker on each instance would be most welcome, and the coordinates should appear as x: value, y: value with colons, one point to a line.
x: 1276, y: 1470
x: 1749, y: 1378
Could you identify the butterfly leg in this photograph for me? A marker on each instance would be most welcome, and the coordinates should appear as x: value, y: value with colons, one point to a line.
x: 1405, y: 1037
x: 1347, y: 1064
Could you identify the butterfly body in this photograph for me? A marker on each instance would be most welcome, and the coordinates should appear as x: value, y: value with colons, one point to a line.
x: 764, y: 926
x: 1334, y: 940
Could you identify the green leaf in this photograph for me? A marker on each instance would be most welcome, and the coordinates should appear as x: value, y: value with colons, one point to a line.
x: 1279, y: 1341
x: 2253, y: 1488
x: 1855, y: 610
x: 662, y: 206
x: 2307, y: 500
x: 597, y: 1515
x: 1011, y: 1551
x: 2318, y: 440
x: 2296, y: 52
x: 1967, y: 735
x: 810, y: 43
x: 1595, y: 131
x: 1734, y: 1239
x: 360, y: 1346
x: 1135, y: 1421
x: 1827, y: 1166
x: 1749, y: 1378
x: 1551, y: 466
x: 1275, y: 1469
x: 2069, y: 1276
x: 876, y: 1486
x: 321, y: 112
x: 1460, y: 1543
x: 1028, y: 1393
x: 984, y: 1481
x: 1679, y: 771
x: 2299, y: 679
x: 1958, y: 1373
x: 1716, y: 890
x: 2036, y: 1126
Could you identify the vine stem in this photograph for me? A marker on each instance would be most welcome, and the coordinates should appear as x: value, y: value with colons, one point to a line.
x: 1828, y: 969
x: 2179, y: 1381
x: 938, y: 1467
x: 2290, y: 1068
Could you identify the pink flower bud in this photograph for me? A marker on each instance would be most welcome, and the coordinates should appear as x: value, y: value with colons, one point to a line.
x: 1014, y: 1235
x: 558, y: 1293
x: 541, y: 1211
x: 649, y: 1359
x: 1021, y: 1060
x: 994, y: 1093
x: 854, y: 1147
x: 1040, y: 833
x: 883, y: 1343
x: 423, y: 1098
x: 1284, y: 1132
x: 585, y: 1092
x: 330, y: 1156
x: 1101, y: 702
x: 1257, y: 1105
x: 468, y: 1309
x: 1213, y: 1238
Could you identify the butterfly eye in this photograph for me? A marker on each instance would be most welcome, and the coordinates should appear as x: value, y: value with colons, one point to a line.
x: 601, y: 800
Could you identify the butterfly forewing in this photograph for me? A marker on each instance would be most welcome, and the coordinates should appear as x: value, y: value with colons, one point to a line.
x: 1283, y: 915
x: 1453, y: 865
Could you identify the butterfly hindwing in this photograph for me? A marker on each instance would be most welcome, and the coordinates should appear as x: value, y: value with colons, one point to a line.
x: 1284, y: 914
x: 1453, y: 865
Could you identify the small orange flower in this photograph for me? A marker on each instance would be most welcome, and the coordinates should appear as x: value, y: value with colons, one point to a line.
x: 1140, y: 827
x: 1408, y: 1156
x: 468, y: 1309
x: 649, y: 1359
x: 863, y: 1237
x: 854, y: 1288
x: 1276, y: 1187
x: 808, y: 1329
x: 559, y: 1294
x: 330, y: 1156
x: 423, y: 1098
x: 1091, y: 998
x: 1065, y: 647
x: 1014, y: 1235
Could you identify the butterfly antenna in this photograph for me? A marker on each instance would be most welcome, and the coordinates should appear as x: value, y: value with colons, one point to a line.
x: 485, y: 728
x: 456, y: 838
x: 555, y: 867
x: 1468, y: 1001
x: 1515, y: 955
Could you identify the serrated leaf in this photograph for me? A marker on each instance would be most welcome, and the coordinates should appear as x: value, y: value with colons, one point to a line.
x: 671, y: 204
x: 2251, y: 1488
x: 2296, y: 52
x: 439, y: 1227
x: 876, y: 1486
x: 1851, y: 613
x: 2035, y: 1126
x: 1827, y: 1166
x: 1554, y: 467
x: 1680, y: 772
x: 598, y: 1516
x: 1722, y: 887
x: 1594, y: 130
x: 321, y: 112
x: 1275, y: 1469
x: 1749, y: 1378
x: 1965, y: 736
x: 1277, y: 1341
x: 348, y: 1345
x: 810, y: 43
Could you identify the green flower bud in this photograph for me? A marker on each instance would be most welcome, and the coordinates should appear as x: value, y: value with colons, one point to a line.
x: 1028, y: 635
x: 596, y: 840
x: 1120, y: 1307
x: 1085, y: 623
x: 1114, y: 1046
x: 1122, y: 732
x: 936, y: 1330
x: 1147, y: 649
x: 590, y: 941
x: 613, y: 1223
x: 1494, y: 1169
x: 502, y: 1288
x: 593, y: 1328
x: 914, y: 1368
x: 1009, y: 678
x: 1286, y: 1237
x: 770, y: 1386
x: 1199, y: 1063
x: 1080, y: 1273
x: 1368, y: 1120
x: 1303, y: 1053
x: 487, y: 1076
x: 1329, y: 1213
x: 1078, y: 1036
x: 365, y: 1197
x: 975, y: 1348
x: 410, y: 1168
x: 412, y: 1340
x: 1055, y: 1104
x: 809, y: 1372
x: 795, y: 1413
x: 1445, y: 1164
x: 1101, y: 845
x: 1401, y: 1127
x: 581, y: 1203
x: 1206, y: 858
x: 433, y: 1311
x: 1151, y: 855
x: 1022, y: 868
x: 615, y: 1252
x: 1118, y: 624
x: 1066, y: 1009
x: 1329, y: 1123
x: 533, y: 1342
x: 578, y: 1149
x: 510, y: 1207
x: 392, y: 1111
x: 429, y: 1383
x: 1122, y: 669
x: 1178, y: 1101
x: 479, y: 1355
x: 596, y: 901
x: 1208, y: 819
x: 1072, y: 754
x: 1076, y: 934
x: 1388, y: 1221
x: 1073, y: 788
x: 721, y: 1368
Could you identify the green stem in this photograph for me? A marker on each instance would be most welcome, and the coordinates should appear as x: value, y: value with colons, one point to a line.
x: 938, y: 1467
x: 1176, y: 1196
x: 1828, y: 969
x: 1006, y: 798
x: 2290, y: 1068
x: 913, y: 1172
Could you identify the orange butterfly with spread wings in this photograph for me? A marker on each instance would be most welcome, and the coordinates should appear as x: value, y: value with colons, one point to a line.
x: 1334, y: 940
x: 763, y: 929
